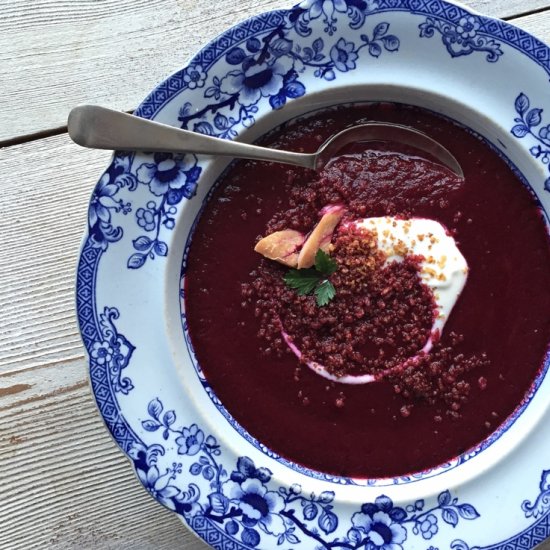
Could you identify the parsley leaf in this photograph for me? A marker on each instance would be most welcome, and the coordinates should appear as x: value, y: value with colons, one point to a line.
x: 314, y: 279
x: 303, y: 280
x: 324, y: 293
x: 324, y: 264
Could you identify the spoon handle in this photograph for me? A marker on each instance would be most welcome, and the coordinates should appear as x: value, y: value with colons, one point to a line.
x: 101, y: 128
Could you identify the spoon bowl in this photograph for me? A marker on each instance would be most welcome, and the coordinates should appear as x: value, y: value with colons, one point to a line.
x: 101, y: 128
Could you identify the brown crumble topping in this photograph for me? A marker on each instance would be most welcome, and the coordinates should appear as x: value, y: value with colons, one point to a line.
x: 382, y: 313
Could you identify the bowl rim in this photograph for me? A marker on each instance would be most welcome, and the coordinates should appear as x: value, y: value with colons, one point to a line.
x: 415, y: 476
x: 149, y: 108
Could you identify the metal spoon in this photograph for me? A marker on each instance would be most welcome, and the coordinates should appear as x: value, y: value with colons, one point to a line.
x: 102, y: 128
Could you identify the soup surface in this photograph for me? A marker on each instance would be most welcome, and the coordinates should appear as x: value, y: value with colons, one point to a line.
x: 242, y: 313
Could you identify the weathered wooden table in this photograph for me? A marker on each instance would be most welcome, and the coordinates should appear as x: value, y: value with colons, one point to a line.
x: 63, y: 482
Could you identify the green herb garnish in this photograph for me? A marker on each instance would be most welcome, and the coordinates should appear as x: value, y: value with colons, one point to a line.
x: 314, y: 279
x: 324, y: 293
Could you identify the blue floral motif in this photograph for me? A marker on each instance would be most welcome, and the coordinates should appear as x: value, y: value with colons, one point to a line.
x: 271, y: 67
x: 247, y: 470
x: 146, y: 218
x: 428, y: 527
x: 529, y: 538
x: 190, y: 440
x: 462, y: 38
x: 526, y: 122
x: 168, y: 173
x: 113, y: 351
x: 380, y: 530
x: 170, y: 177
x: 255, y: 81
x: 327, y: 10
x: 544, y: 132
x: 467, y: 27
x: 102, y: 204
x: 261, y: 71
x: 159, y: 485
x: 258, y: 505
x: 343, y: 55
x: 194, y: 77
x: 102, y: 352
x: 541, y: 506
x: 255, y: 512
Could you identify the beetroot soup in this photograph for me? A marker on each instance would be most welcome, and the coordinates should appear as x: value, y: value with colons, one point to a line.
x: 392, y: 316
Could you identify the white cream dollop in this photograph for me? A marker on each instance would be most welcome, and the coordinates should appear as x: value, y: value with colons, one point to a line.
x: 443, y: 269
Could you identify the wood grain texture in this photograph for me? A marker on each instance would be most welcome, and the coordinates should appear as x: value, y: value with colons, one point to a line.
x: 59, y: 53
x: 507, y: 8
x: 82, y: 493
x: 62, y: 53
x: 64, y: 482
x: 59, y: 490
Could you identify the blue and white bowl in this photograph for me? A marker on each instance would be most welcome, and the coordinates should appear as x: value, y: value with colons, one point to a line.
x: 187, y: 450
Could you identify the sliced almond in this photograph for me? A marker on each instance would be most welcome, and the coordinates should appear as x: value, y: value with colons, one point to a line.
x: 321, y: 236
x: 281, y: 246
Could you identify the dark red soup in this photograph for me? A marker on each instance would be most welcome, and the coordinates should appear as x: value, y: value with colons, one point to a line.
x: 417, y: 414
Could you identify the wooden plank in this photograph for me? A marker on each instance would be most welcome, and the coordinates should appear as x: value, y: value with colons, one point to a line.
x: 507, y: 8
x: 59, y: 53
x: 538, y: 24
x: 65, y: 484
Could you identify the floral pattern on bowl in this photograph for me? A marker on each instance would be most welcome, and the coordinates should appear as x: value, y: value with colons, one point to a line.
x: 230, y: 489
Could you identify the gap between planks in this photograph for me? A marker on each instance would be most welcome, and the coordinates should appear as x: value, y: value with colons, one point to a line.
x: 515, y: 11
x: 43, y: 47
x: 79, y: 479
x: 81, y: 491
